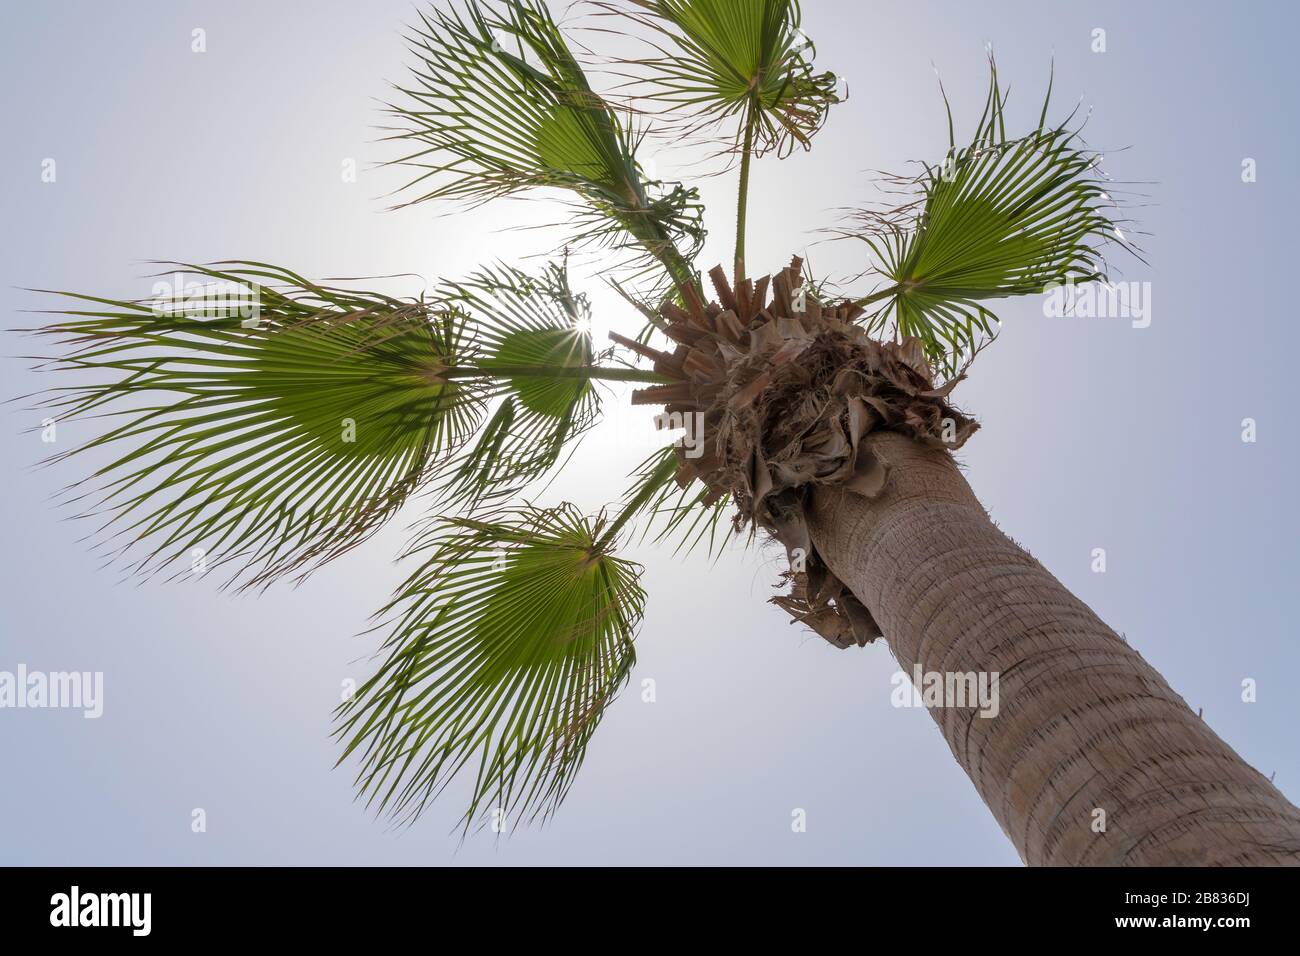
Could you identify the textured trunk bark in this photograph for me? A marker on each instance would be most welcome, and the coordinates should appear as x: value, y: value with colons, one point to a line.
x: 1084, y: 723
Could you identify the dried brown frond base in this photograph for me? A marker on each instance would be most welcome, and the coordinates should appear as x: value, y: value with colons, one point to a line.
x: 780, y: 396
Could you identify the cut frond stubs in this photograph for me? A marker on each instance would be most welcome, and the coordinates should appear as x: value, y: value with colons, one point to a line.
x: 783, y: 396
x: 261, y: 423
x: 505, y: 647
x: 497, y: 105
x: 999, y: 217
x: 747, y: 62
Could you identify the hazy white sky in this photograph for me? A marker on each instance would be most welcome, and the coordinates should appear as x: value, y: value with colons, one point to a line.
x: 1095, y: 434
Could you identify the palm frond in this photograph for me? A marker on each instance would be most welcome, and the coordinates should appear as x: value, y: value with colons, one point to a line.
x: 505, y: 648
x: 523, y: 321
x: 498, y: 105
x: 273, y: 442
x: 727, y: 60
x: 1000, y: 217
x: 667, y: 512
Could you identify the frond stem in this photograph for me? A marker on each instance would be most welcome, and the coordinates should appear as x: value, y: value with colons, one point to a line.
x: 661, y: 474
x: 877, y: 296
x: 603, y: 373
x: 742, y: 200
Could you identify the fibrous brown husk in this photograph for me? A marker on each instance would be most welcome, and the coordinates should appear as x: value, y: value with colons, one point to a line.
x: 786, y: 390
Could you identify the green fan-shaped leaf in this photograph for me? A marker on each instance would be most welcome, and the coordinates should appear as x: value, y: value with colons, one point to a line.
x: 258, y: 420
x: 548, y: 397
x: 562, y: 143
x: 497, y: 104
x: 504, y: 649
x: 744, y: 60
x: 524, y: 322
x: 1001, y: 217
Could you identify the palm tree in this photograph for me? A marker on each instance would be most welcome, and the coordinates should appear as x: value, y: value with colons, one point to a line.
x: 263, y: 423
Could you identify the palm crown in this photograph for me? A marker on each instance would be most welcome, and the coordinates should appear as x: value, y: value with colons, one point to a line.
x: 279, y: 425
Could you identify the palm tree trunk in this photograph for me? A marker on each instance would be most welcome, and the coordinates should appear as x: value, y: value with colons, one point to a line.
x: 1084, y: 724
